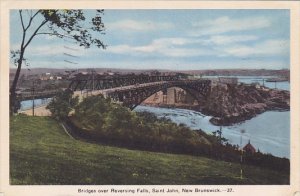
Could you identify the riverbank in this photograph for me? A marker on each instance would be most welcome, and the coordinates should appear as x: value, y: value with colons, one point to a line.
x: 41, y: 153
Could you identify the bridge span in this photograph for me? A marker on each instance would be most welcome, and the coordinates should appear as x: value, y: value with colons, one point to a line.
x: 100, y: 82
x: 36, y: 95
x: 133, y: 95
x: 131, y: 90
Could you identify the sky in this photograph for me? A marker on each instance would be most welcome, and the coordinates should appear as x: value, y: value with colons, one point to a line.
x: 171, y: 39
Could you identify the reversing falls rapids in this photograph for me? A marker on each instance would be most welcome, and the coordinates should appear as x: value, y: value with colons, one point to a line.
x: 269, y: 132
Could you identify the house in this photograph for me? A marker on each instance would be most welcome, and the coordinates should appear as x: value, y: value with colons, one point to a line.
x: 44, y: 77
x: 249, y: 148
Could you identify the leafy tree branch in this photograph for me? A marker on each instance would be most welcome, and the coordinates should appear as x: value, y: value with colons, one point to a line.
x: 71, y: 24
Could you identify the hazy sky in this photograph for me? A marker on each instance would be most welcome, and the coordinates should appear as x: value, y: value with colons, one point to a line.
x: 172, y: 39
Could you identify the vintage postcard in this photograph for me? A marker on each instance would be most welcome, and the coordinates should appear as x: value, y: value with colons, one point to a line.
x: 150, y: 98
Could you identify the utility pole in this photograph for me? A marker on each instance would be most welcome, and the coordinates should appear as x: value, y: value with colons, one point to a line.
x: 32, y: 98
x: 220, y: 134
x: 241, y: 158
x: 93, y: 80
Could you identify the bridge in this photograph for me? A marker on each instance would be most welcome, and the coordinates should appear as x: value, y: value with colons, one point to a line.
x: 99, y: 82
x: 132, y: 90
x: 36, y: 95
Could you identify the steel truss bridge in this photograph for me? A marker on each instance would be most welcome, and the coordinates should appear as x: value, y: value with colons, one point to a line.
x: 36, y: 95
x: 99, y: 82
x: 132, y: 97
x: 132, y: 90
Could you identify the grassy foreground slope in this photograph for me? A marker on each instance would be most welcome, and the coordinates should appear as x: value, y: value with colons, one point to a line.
x: 42, y: 153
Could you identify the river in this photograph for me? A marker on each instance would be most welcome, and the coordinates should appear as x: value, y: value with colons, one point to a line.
x: 27, y: 104
x: 258, y: 79
x: 269, y: 132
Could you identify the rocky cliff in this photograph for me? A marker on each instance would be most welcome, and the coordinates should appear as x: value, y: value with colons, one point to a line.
x: 231, y: 104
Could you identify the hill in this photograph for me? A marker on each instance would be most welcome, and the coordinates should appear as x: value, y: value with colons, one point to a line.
x: 42, y: 153
x: 211, y: 72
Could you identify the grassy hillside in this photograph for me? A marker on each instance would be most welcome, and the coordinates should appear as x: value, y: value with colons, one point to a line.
x: 42, y: 153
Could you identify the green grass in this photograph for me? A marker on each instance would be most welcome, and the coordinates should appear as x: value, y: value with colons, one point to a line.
x: 42, y: 153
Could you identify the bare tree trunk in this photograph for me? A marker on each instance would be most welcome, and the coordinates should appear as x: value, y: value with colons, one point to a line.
x: 13, y: 95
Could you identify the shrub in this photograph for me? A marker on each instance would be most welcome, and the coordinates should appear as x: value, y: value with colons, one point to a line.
x: 62, y: 104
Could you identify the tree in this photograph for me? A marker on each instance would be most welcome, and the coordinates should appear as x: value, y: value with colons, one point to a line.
x: 69, y: 24
x: 61, y: 105
x: 92, y: 111
x: 218, y: 135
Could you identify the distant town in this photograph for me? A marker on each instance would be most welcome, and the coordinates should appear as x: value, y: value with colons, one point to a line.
x: 48, y: 79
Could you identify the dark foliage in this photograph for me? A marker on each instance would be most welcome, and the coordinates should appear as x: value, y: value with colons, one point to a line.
x: 98, y: 119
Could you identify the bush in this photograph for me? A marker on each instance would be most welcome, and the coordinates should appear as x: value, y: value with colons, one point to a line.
x: 62, y: 104
x: 113, y: 123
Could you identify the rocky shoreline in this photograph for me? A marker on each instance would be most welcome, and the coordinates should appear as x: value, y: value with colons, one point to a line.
x: 231, y: 104
x: 236, y: 103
